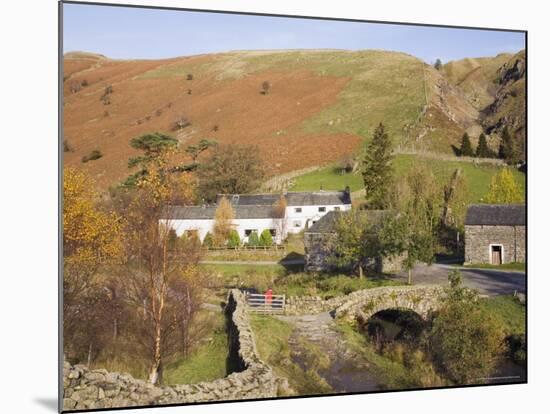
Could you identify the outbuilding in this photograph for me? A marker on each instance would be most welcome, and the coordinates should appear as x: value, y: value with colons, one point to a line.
x: 495, y: 234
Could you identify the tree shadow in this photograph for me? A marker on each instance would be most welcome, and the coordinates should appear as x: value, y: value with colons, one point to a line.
x: 456, y: 150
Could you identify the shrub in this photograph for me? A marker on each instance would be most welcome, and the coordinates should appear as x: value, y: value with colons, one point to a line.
x: 180, y: 123
x: 517, y: 348
x: 94, y: 155
x: 208, y: 240
x: 265, y: 238
x: 465, y: 337
x: 253, y: 239
x: 84, y: 83
x: 66, y: 146
x: 233, y: 240
x: 266, y: 86
x: 189, y: 76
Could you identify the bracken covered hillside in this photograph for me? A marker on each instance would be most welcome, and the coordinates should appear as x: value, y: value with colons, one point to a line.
x: 321, y: 105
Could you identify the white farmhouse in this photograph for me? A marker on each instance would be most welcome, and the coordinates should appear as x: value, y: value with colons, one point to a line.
x: 257, y: 212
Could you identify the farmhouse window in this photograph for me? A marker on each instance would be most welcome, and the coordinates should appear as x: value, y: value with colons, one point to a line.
x: 336, y: 208
x: 322, y: 209
x: 248, y: 232
x: 273, y: 232
x: 298, y: 210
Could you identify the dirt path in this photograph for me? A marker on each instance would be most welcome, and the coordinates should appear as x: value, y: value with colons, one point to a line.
x: 346, y: 372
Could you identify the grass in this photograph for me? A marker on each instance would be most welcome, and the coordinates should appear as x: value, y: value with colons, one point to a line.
x: 392, y: 375
x: 478, y: 177
x: 272, y: 341
x: 506, y: 266
x: 328, y: 285
x: 290, y: 283
x: 231, y: 270
x: 208, y: 361
x: 509, y: 310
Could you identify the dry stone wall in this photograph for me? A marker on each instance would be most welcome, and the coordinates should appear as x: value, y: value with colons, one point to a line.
x: 92, y: 389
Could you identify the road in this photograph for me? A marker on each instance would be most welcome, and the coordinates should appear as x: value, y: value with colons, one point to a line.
x: 486, y: 281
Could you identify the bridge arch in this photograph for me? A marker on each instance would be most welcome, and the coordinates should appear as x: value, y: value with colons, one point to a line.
x: 422, y: 299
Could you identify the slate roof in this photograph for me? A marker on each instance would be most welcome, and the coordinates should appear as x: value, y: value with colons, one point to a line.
x: 326, y: 223
x: 208, y: 212
x: 328, y: 198
x: 496, y: 215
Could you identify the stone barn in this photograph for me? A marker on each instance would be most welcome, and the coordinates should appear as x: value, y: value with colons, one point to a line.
x: 317, y: 241
x: 495, y: 234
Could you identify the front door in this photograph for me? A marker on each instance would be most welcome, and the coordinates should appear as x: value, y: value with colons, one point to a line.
x: 496, y: 255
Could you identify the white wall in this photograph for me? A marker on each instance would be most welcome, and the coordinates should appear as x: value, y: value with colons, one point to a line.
x: 204, y: 226
x: 308, y: 216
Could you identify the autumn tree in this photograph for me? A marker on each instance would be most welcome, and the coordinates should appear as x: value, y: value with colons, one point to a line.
x: 411, y: 233
x: 279, y: 216
x: 378, y: 170
x: 223, y: 222
x: 465, y: 337
x: 92, y: 238
x: 504, y: 189
x: 153, y: 272
x: 466, y: 149
x: 153, y: 146
x: 230, y: 169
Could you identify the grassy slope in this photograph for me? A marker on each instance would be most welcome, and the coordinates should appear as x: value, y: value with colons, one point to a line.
x: 475, y: 76
x: 322, y: 105
x: 478, y: 176
x: 208, y: 361
x: 508, y: 309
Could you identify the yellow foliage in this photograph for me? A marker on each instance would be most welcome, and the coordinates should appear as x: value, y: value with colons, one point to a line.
x: 504, y: 189
x: 89, y: 234
x: 223, y: 220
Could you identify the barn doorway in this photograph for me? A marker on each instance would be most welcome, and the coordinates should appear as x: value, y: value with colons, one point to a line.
x: 496, y: 254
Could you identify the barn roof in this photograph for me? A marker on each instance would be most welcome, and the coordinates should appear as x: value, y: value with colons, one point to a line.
x: 316, y: 198
x: 326, y: 223
x: 496, y: 215
x: 208, y: 212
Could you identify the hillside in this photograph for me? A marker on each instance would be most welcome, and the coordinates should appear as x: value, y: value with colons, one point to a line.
x: 322, y: 105
x: 495, y: 87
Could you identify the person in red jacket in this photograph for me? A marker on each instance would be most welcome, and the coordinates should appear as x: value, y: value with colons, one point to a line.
x: 268, y: 297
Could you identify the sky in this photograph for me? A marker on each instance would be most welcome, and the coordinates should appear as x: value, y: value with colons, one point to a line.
x: 137, y: 33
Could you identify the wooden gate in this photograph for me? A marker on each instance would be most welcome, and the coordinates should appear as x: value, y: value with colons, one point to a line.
x: 260, y: 303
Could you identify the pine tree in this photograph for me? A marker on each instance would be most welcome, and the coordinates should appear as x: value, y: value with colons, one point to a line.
x: 466, y: 149
x: 508, y: 150
x: 483, y: 150
x: 378, y: 170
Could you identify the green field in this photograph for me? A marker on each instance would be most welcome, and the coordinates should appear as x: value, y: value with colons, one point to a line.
x: 478, y: 176
x: 207, y: 361
x: 509, y: 310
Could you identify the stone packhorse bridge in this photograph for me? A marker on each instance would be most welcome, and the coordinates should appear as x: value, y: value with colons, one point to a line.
x: 422, y: 299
